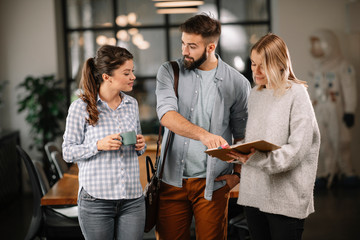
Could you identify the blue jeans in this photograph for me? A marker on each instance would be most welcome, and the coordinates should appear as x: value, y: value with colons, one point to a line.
x: 111, y: 219
x: 267, y: 226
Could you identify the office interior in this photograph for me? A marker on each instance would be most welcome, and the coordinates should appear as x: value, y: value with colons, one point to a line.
x: 42, y: 37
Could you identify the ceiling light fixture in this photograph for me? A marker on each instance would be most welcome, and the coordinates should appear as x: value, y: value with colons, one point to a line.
x: 176, y: 6
x: 179, y: 4
x: 176, y: 10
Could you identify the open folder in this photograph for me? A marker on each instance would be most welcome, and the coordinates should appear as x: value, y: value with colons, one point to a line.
x: 245, y: 148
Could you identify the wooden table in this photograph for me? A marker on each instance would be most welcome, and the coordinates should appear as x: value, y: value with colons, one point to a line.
x: 65, y: 191
x: 73, y: 170
x: 234, y: 193
x: 151, y: 152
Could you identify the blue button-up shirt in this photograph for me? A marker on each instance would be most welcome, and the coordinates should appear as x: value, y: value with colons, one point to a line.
x: 104, y: 174
x: 228, y: 119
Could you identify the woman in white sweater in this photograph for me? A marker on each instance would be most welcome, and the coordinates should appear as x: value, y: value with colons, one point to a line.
x: 276, y: 188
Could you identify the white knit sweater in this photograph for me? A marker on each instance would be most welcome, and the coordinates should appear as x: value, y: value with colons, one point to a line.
x: 282, y: 181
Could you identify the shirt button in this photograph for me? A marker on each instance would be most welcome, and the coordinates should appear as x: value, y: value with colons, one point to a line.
x: 197, y: 75
x: 191, y: 109
x: 182, y: 161
x: 196, y: 92
x: 185, y: 143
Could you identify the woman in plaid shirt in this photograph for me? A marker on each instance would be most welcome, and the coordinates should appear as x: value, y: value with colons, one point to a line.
x: 111, y: 203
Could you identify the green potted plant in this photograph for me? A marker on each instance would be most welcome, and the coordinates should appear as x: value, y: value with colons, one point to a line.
x: 44, y: 104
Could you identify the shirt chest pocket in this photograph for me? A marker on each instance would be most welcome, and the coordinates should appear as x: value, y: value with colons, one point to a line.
x: 127, y: 122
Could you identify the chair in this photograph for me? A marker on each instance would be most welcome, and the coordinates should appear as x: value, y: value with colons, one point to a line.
x: 59, y: 162
x: 60, y: 166
x: 237, y: 225
x: 44, y: 182
x: 53, y: 172
x: 69, y: 211
x: 45, y: 221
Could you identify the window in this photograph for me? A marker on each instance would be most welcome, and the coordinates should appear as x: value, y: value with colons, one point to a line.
x: 154, y: 38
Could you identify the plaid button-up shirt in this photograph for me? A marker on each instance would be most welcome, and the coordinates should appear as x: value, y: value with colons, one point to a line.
x: 104, y: 174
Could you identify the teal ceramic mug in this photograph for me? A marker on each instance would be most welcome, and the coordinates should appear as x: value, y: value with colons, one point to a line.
x: 128, y: 138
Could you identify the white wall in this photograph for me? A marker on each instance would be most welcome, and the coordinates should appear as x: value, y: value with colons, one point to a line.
x: 295, y: 20
x: 28, y: 47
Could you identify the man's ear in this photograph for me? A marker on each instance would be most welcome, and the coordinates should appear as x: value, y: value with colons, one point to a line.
x: 211, y: 47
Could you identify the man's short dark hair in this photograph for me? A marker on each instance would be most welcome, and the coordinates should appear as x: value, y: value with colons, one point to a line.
x: 204, y: 25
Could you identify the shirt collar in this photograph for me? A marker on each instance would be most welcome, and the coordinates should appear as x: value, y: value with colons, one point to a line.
x: 125, y: 99
x: 220, y: 68
x: 98, y: 100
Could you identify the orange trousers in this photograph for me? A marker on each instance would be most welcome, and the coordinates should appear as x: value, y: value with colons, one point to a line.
x: 177, y: 206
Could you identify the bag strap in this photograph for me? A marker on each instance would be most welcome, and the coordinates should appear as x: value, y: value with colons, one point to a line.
x: 175, y: 67
x: 149, y: 167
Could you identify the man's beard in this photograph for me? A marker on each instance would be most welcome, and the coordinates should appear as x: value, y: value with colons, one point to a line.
x: 195, y: 64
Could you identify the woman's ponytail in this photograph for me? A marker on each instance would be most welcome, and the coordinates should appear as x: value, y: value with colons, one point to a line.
x: 90, y: 84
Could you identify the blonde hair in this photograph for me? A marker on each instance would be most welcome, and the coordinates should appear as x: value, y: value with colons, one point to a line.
x: 276, y: 63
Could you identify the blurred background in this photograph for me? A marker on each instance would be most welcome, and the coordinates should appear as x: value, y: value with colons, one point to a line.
x: 49, y: 40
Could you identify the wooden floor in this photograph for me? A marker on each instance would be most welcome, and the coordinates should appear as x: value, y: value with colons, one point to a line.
x: 337, y: 216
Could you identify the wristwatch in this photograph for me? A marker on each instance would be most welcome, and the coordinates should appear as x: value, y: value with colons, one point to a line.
x: 237, y: 174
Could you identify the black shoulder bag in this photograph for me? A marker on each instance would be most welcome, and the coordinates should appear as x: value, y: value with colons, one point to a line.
x: 152, y: 188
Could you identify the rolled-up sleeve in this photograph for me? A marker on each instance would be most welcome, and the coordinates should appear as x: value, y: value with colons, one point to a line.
x: 165, y: 95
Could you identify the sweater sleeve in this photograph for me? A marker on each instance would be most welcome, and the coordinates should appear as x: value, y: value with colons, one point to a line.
x: 301, y: 134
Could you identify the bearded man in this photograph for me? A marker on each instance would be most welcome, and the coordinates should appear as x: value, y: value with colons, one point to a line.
x: 210, y: 111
